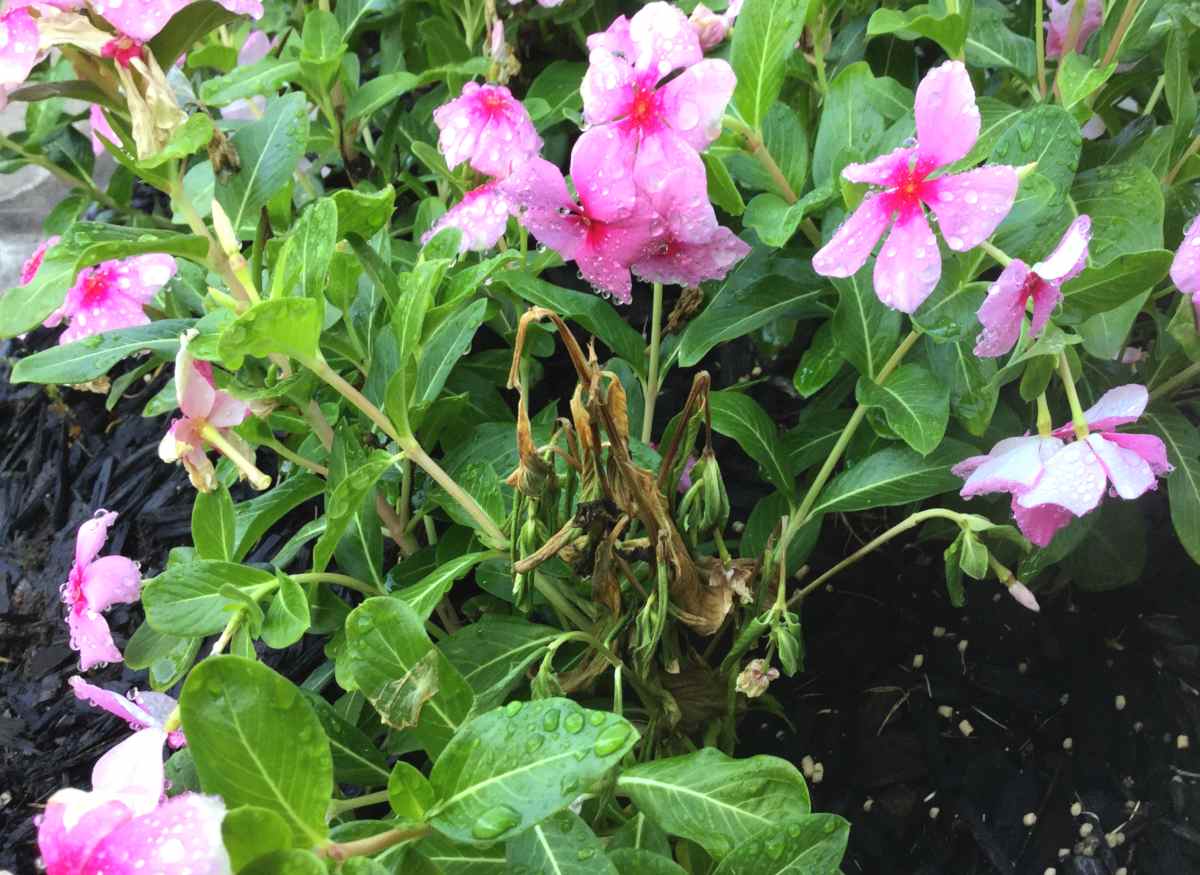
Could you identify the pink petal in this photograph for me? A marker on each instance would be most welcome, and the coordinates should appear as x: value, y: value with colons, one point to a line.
x: 1118, y: 406
x: 227, y: 411
x: 887, y: 169
x: 1003, y: 311
x: 73, y: 824
x: 694, y: 101
x: 608, y: 85
x: 672, y: 174
x: 1040, y: 524
x: 1072, y: 478
x: 90, y: 636
x: 969, y: 206
x: 132, y: 771
x: 252, y: 8
x: 194, y: 393
x: 256, y: 47
x: 183, y: 832
x: 143, y: 19
x: 481, y: 216
x: 663, y: 40
x: 549, y: 213
x: 487, y: 127
x: 98, y: 122
x: 947, y: 118
x: 1059, y: 25
x: 1129, y: 474
x: 111, y: 580
x: 615, y: 40
x: 115, y: 311
x: 689, y: 264
x: 1045, y: 298
x: 1148, y: 446
x: 1013, y: 465
x: 1185, y: 268
x: 851, y: 245
x: 710, y: 28
x: 142, y: 276
x: 18, y: 46
x: 113, y: 703
x: 91, y: 537
x: 34, y: 263
x: 605, y: 256
x: 909, y: 264
x: 602, y: 167
x: 1070, y: 256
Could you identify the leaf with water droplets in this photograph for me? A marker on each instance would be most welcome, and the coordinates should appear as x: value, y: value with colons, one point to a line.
x: 559, y: 845
x: 811, y: 845
x: 488, y: 791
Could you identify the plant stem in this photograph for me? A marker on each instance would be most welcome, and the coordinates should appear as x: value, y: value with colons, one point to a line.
x: 373, y: 845
x: 758, y: 150
x: 1118, y: 37
x: 995, y: 252
x: 1077, y: 417
x: 297, y: 459
x: 340, y: 806
x: 1176, y: 382
x: 652, y: 369
x: 1191, y: 150
x: 560, y: 602
x: 1155, y: 94
x: 257, y: 478
x: 227, y: 634
x: 900, y: 528
x: 1045, y: 424
x: 338, y: 579
x: 346, y: 389
x: 1040, y: 39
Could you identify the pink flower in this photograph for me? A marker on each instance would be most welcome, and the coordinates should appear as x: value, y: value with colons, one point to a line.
x: 1059, y: 25
x: 141, y: 20
x: 111, y: 295
x: 755, y: 678
x: 256, y: 47
x: 93, y: 586
x: 1004, y: 310
x: 34, y: 263
x: 488, y: 128
x: 208, y: 417
x: 604, y: 249
x: 18, y: 49
x: 123, y: 826
x: 481, y: 216
x: 101, y: 128
x: 672, y: 261
x: 643, y: 135
x: 140, y: 710
x: 711, y: 28
x: 968, y: 205
x: 1185, y: 269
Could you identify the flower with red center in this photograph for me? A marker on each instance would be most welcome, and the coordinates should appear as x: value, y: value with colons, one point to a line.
x: 34, y: 263
x: 603, y: 249
x: 140, y: 710
x: 93, y: 586
x: 1003, y: 312
x: 488, y: 128
x: 968, y: 205
x: 1058, y: 28
x: 1185, y: 268
x: 481, y: 216
x: 111, y: 295
x: 642, y: 133
x: 124, y: 826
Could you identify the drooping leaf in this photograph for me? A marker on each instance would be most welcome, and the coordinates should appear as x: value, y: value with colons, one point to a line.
x: 740, y: 417
x: 94, y: 356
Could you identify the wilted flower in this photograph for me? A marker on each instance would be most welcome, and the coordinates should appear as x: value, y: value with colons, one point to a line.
x: 1004, y: 310
x: 93, y: 586
x: 34, y: 263
x: 968, y: 205
x: 123, y: 826
x: 208, y: 419
x: 111, y: 295
x: 140, y: 710
x: 481, y: 216
x: 488, y: 128
x: 755, y: 678
x: 1059, y: 25
x: 1185, y: 268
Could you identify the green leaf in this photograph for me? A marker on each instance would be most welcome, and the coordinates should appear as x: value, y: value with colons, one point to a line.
x: 307, y: 253
x: 864, y: 329
x: 1104, y: 334
x: 714, y: 800
x: 378, y: 93
x: 289, y: 326
x: 1181, y: 96
x: 409, y: 792
x: 894, y: 476
x: 363, y: 213
x: 1183, y: 484
x: 637, y: 861
x: 256, y: 741
x: 810, y: 845
x: 560, y: 845
x: 456, y: 859
x: 973, y: 556
x: 973, y: 394
x: 557, y: 87
x: 642, y: 834
x: 775, y: 220
x: 820, y: 362
x: 915, y: 403
x: 187, y: 601
x: 424, y: 595
x: 445, y: 348
x: 263, y: 77
x: 94, y: 356
x: 268, y: 150
x: 949, y: 30
x: 293, y: 862
x: 189, y: 138
x: 763, y: 41
x: 356, y: 759
x: 1102, y: 288
x: 488, y: 792
x: 212, y: 524
x: 251, y: 832
x: 288, y: 617
x: 253, y: 518
x: 740, y: 417
x: 493, y: 653
x: 722, y: 190
x: 1125, y: 202
x: 186, y: 28
x: 849, y: 125
x: 991, y: 44
x: 403, y: 675
x: 321, y: 46
x: 1113, y: 554
x: 1077, y: 79
x: 1048, y: 135
x: 343, y: 501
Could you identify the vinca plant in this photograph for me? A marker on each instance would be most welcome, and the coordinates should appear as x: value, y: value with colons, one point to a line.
x: 433, y: 296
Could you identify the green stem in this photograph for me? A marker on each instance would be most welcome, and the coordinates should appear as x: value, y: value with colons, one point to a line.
x: 1077, y: 417
x: 758, y: 150
x: 322, y: 369
x: 340, y: 806
x: 549, y: 589
x: 1155, y: 95
x: 338, y: 579
x: 1045, y: 424
x: 1176, y: 382
x: 995, y: 252
x: 227, y: 633
x: 652, y: 369
x: 369, y: 846
x: 1040, y: 39
x: 900, y: 528
x: 1191, y: 150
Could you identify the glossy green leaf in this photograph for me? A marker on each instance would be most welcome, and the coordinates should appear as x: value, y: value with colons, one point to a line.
x: 557, y: 87
x: 264, y: 77
x: 1101, y: 288
x: 849, y: 125
x: 424, y: 595
x: 189, y: 138
x: 94, y: 356
x: 409, y: 792
x: 493, y: 653
x: 213, y: 525
x: 864, y: 329
x: 1077, y: 79
x: 820, y: 363
x: 186, y: 28
x: 740, y: 417
x: 356, y: 759
x: 303, y: 266
x: 991, y: 44
x: 186, y: 600
x: 321, y: 46
x: 363, y: 213
x: 457, y: 859
x: 776, y: 221
x: 809, y: 845
x: 1126, y: 205
x: 293, y: 862
x: 378, y: 93
x: 251, y: 832
x: 253, y: 518
x: 343, y: 501
x: 562, y: 844
x: 763, y: 41
x: 288, y: 616
x: 445, y: 348
x: 947, y: 29
x: 288, y: 326
x: 894, y: 476
x: 1183, y: 484
x: 915, y: 403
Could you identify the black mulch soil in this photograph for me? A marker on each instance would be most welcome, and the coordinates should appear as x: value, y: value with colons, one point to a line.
x: 926, y: 793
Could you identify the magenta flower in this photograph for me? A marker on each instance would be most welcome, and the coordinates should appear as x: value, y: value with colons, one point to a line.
x: 140, y: 710
x: 481, y: 216
x: 672, y: 261
x: 968, y: 205
x: 123, y: 826
x: 34, y: 263
x: 488, y: 128
x: 1059, y: 25
x: 93, y: 586
x: 141, y: 20
x: 1185, y: 268
x: 18, y: 49
x: 602, y: 249
x: 643, y: 134
x: 100, y: 127
x: 111, y: 295
x: 1004, y: 309
x: 712, y: 28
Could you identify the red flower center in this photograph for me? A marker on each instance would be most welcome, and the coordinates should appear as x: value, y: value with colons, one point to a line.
x: 122, y: 49
x: 95, y: 289
x: 644, y: 106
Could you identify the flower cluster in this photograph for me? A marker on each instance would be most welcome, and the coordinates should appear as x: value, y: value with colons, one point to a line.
x: 1053, y: 481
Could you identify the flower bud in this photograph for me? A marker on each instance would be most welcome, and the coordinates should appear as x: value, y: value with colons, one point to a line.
x: 709, y: 26
x: 1023, y: 595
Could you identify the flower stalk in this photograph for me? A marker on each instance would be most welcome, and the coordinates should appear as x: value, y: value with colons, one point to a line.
x: 1078, y: 420
x: 652, y: 381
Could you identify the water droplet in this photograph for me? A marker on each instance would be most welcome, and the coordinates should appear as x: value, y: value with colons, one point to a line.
x: 568, y: 785
x: 495, y: 822
x: 533, y: 742
x: 573, y: 722
x: 830, y: 826
x: 794, y: 830
x: 586, y: 853
x: 512, y: 709
x: 550, y: 720
x: 596, y: 718
x: 775, y: 849
x: 612, y: 739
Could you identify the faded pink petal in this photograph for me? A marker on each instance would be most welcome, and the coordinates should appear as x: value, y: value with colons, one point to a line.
x: 132, y: 771
x: 100, y: 127
x: 1040, y: 524
x: 1127, y: 471
x: 111, y: 580
x: 1069, y: 258
x: 1059, y: 25
x: 34, y: 263
x: 948, y: 120
x: 909, y: 264
x: 602, y: 166
x: 18, y: 46
x: 1120, y: 405
x: 481, y: 216
x: 143, y: 19
x: 1185, y: 267
x: 672, y: 262
x: 256, y: 47
x: 139, y: 710
x: 194, y: 394
x: 90, y: 538
x: 488, y: 128
x: 1072, y: 478
x: 693, y: 103
x: 1013, y: 465
x: 662, y: 39
x: 227, y: 411
x: 1003, y: 311
x: 969, y: 206
x: 91, y: 637
x: 851, y: 245
x: 182, y: 833
x: 889, y: 169
x: 1149, y: 447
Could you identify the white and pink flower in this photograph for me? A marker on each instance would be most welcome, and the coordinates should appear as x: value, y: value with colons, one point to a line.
x: 111, y: 295
x: 93, y: 586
